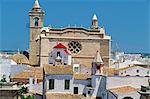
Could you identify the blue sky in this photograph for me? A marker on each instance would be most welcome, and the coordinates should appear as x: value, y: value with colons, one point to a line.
x: 127, y: 21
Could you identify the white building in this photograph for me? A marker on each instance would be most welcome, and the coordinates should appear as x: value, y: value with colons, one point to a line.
x: 125, y: 87
x: 8, y: 68
x: 60, y: 79
x: 135, y: 70
x: 5, y: 68
x: 126, y: 92
x: 73, y: 79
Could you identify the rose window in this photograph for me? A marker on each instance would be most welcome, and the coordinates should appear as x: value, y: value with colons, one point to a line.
x: 74, y: 47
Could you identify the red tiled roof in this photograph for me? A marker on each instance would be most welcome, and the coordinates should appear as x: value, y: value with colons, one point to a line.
x: 59, y: 45
x: 67, y: 52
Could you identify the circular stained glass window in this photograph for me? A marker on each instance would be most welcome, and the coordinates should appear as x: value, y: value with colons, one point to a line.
x: 75, y: 47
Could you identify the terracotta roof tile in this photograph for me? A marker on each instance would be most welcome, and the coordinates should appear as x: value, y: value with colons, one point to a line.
x: 124, y: 89
x: 81, y: 76
x: 58, y: 70
x: 63, y: 96
x: 33, y: 71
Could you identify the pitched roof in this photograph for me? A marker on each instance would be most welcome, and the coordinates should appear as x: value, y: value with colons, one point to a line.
x: 58, y: 70
x: 60, y: 45
x: 98, y: 58
x: 63, y: 96
x: 32, y: 71
x: 81, y: 76
x: 124, y: 89
x: 67, y: 52
x: 20, y: 59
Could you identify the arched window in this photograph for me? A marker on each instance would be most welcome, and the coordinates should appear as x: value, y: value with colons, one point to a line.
x: 36, y: 21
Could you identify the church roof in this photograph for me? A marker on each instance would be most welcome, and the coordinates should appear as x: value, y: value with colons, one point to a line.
x: 60, y: 45
x: 36, y: 4
x: 20, y: 59
x: 98, y: 58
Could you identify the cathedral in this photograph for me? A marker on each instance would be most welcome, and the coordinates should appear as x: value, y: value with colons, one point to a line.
x: 48, y: 44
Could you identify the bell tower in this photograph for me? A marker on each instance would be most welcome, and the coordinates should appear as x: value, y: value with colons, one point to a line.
x: 36, y: 17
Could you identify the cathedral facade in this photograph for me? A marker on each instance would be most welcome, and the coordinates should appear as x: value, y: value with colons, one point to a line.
x: 82, y: 43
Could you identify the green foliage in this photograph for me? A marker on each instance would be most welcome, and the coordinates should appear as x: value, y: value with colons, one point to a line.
x: 3, y: 80
x: 24, y: 90
x: 30, y: 97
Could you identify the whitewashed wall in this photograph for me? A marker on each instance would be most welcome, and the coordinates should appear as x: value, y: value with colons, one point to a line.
x: 59, y: 84
x: 53, y: 55
x: 116, y: 81
x: 133, y: 71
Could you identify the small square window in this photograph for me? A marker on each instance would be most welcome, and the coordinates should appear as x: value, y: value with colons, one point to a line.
x: 76, y: 69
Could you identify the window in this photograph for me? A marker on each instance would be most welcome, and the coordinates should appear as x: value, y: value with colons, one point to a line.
x: 51, y: 83
x: 75, y: 47
x: 67, y: 84
x: 137, y: 71
x: 58, y: 53
x: 33, y: 81
x: 75, y: 90
x: 36, y: 21
x: 89, y: 92
x: 76, y: 69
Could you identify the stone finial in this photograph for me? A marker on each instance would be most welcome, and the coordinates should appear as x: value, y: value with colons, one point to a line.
x: 94, y: 17
x: 36, y: 4
x: 102, y: 30
x: 94, y: 22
